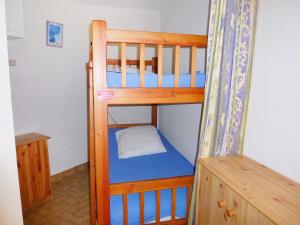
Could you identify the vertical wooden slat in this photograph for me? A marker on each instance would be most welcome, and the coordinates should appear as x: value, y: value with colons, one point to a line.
x: 123, y: 64
x: 154, y: 115
x: 142, y: 65
x: 177, y: 65
x: 142, y: 208
x: 193, y: 66
x: 160, y: 65
x: 173, y: 215
x: 157, y: 206
x: 188, y: 200
x: 125, y: 209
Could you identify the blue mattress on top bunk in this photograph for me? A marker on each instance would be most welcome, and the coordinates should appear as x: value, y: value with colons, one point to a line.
x: 163, y: 165
x: 133, y: 80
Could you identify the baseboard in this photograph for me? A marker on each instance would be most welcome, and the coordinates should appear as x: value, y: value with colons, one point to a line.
x: 77, y: 169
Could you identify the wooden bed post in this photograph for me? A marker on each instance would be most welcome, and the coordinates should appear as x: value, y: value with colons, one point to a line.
x: 100, y: 122
x: 154, y: 115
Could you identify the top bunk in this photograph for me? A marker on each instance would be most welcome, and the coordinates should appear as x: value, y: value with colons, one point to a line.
x: 140, y: 86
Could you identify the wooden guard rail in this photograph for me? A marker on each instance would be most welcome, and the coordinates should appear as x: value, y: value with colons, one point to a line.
x: 154, y: 185
x: 159, y: 39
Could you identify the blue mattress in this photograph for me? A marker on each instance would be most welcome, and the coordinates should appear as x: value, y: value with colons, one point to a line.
x: 133, y: 80
x: 163, y: 165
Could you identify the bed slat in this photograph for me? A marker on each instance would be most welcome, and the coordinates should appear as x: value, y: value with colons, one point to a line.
x: 160, y: 65
x: 125, y: 209
x: 123, y: 64
x: 177, y: 65
x: 142, y: 65
x: 188, y: 200
x: 157, y: 206
x: 173, y: 215
x: 142, y: 208
x: 193, y: 66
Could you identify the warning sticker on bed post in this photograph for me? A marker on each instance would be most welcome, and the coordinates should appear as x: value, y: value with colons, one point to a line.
x: 106, y: 94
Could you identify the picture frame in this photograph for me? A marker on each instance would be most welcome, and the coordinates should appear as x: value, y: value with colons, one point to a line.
x: 54, y: 34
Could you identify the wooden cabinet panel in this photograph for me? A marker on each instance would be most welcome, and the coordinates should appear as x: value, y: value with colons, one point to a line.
x: 24, y: 176
x: 33, y: 168
x: 250, y: 216
x: 211, y: 192
x: 220, y: 205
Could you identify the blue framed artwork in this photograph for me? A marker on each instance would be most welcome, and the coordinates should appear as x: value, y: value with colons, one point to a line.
x: 54, y: 34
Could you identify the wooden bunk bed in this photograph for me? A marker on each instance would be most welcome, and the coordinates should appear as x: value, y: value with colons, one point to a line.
x: 101, y: 97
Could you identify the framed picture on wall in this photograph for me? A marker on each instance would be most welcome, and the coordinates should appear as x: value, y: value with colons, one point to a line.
x: 54, y: 34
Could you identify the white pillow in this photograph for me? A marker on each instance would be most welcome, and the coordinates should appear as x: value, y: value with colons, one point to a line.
x: 138, y: 141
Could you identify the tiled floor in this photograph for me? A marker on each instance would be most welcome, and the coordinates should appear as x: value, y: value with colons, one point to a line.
x: 69, y: 204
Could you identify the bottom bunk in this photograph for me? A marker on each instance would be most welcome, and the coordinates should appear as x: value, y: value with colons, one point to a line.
x: 149, y: 189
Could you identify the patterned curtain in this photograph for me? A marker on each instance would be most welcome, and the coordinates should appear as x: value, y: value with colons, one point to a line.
x: 229, y: 63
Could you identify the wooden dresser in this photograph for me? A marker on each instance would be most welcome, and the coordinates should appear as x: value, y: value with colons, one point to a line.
x: 33, y: 168
x: 239, y: 191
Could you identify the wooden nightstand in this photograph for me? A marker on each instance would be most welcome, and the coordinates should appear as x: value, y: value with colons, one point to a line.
x: 33, y: 168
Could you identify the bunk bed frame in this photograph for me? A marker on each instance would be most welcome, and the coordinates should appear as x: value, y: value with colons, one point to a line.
x: 100, y: 97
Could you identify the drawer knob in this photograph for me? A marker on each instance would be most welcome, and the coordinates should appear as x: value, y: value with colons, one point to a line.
x: 230, y: 212
x: 221, y: 204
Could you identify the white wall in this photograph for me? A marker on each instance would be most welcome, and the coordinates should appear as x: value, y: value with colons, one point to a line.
x: 188, y: 17
x: 10, y: 203
x: 273, y: 127
x: 180, y: 123
x: 49, y: 84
